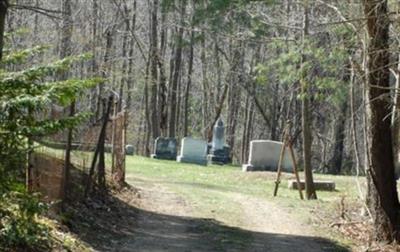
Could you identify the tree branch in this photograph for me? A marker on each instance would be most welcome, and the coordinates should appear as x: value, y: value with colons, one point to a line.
x: 46, y: 12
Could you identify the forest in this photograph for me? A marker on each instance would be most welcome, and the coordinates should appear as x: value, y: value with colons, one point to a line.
x: 120, y: 118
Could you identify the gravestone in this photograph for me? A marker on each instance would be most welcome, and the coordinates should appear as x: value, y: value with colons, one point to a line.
x: 264, y: 156
x: 219, y: 153
x: 218, y: 139
x: 165, y: 148
x: 129, y: 150
x: 193, y: 151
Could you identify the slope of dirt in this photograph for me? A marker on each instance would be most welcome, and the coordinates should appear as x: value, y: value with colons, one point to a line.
x: 104, y: 224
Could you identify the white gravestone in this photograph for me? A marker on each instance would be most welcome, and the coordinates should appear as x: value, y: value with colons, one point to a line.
x: 218, y: 140
x: 193, y: 151
x: 264, y: 156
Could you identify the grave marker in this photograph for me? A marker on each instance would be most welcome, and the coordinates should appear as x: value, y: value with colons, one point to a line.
x: 129, y: 150
x: 264, y: 156
x: 219, y: 153
x: 193, y: 151
x: 165, y: 148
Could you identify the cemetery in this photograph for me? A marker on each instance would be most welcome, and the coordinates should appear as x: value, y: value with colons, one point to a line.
x: 196, y: 158
x: 219, y: 125
x: 264, y: 155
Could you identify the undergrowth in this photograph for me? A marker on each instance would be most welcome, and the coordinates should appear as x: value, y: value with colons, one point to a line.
x: 24, y: 226
x: 20, y: 228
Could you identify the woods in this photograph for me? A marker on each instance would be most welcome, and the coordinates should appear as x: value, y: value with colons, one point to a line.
x: 176, y: 69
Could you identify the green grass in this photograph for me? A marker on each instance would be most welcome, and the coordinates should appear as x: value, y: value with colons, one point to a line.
x: 231, y: 179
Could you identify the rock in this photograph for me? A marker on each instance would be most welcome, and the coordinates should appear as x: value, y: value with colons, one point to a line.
x: 319, y: 185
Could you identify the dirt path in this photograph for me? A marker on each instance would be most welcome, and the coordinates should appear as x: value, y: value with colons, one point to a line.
x: 166, y: 223
x: 274, y: 229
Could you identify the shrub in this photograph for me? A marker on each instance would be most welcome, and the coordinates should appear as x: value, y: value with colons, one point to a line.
x: 19, y: 226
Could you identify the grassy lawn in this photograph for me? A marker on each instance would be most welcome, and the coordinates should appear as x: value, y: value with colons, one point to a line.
x: 206, y: 188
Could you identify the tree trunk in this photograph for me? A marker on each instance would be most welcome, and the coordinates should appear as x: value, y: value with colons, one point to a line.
x: 105, y: 71
x: 130, y: 81
x: 396, y: 122
x: 176, y: 74
x: 220, y: 97
x: 36, y: 23
x: 189, y: 83
x: 65, y: 51
x: 382, y: 198
x: 94, y: 66
x: 124, y: 78
x: 395, y: 111
x: 336, y: 161
x: 147, y: 108
x: 3, y: 15
x: 154, y: 70
x: 275, y: 110
x: 205, y: 87
x: 163, y: 90
x: 178, y: 119
x: 234, y: 95
x: 243, y: 157
x: 306, y: 119
x: 99, y: 156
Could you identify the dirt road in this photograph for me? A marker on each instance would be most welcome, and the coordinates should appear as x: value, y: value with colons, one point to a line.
x: 166, y: 221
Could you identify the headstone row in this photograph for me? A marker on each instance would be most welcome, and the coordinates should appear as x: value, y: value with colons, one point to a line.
x: 195, y: 151
x: 263, y: 156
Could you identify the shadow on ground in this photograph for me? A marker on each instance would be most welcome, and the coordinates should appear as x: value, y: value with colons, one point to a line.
x: 117, y: 225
